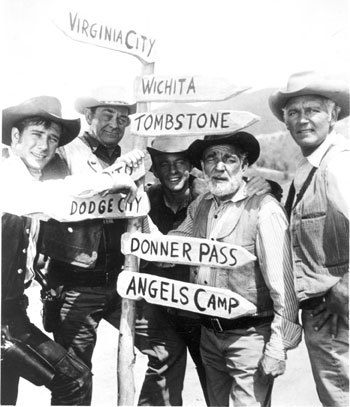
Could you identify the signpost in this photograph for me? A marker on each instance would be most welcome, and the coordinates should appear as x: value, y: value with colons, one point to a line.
x: 178, y: 121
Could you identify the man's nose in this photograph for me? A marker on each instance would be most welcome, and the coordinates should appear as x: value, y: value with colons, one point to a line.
x: 303, y: 117
x: 114, y: 121
x: 173, y: 168
x: 220, y: 166
x: 43, y: 143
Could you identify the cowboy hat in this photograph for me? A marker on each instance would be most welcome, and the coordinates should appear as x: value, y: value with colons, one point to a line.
x: 104, y: 96
x: 311, y: 83
x: 245, y: 141
x: 47, y: 107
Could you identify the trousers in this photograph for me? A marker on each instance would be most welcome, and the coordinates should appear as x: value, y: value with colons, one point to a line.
x: 329, y: 358
x: 231, y: 364
x: 68, y: 379
x: 170, y: 335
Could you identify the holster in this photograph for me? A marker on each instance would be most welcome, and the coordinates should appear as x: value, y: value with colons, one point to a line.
x: 28, y: 362
x: 51, y: 309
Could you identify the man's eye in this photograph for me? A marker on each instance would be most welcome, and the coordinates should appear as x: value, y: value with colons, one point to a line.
x: 291, y: 113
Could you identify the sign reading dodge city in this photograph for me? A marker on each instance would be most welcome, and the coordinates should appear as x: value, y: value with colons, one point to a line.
x: 89, y: 30
x: 183, y: 89
x: 110, y: 206
x: 205, y: 300
x: 183, y: 120
x: 184, y: 250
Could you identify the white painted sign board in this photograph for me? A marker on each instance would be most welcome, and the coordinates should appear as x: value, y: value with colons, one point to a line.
x: 184, y: 250
x: 186, y: 120
x: 184, y: 88
x: 88, y: 29
x: 204, y: 300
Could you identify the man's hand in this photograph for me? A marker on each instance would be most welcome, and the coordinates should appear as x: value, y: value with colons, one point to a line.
x: 336, y: 306
x: 199, y: 186
x: 123, y: 183
x: 271, y: 367
x: 257, y: 185
x: 132, y: 159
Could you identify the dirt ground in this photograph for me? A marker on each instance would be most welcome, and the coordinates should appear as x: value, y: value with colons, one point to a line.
x: 294, y: 389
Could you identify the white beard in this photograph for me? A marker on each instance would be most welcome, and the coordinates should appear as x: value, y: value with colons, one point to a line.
x: 223, y: 188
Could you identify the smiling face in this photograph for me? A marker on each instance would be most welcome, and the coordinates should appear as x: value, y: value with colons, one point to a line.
x: 108, y: 123
x: 309, y: 119
x: 36, y: 144
x: 223, y: 167
x: 173, y: 170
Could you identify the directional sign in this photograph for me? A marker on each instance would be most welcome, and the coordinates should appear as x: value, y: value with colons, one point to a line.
x: 205, y: 300
x: 111, y: 206
x: 183, y: 89
x: 80, y: 27
x: 185, y: 250
x: 186, y: 120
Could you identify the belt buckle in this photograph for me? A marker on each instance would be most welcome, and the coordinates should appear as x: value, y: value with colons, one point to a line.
x: 215, y: 323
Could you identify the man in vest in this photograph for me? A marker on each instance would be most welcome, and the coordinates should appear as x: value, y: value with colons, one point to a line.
x: 85, y: 257
x: 310, y: 106
x: 34, y: 129
x: 242, y: 356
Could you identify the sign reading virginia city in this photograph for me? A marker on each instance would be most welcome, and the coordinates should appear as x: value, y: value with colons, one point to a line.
x: 80, y: 27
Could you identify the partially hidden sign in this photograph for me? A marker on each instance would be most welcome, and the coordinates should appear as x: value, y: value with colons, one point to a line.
x: 121, y: 168
x: 184, y: 250
x: 81, y: 27
x: 152, y: 88
x: 111, y: 206
x: 184, y: 120
x: 205, y: 300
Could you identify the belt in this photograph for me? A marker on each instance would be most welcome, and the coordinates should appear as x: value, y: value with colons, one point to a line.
x: 91, y: 278
x: 221, y: 324
x: 311, y: 303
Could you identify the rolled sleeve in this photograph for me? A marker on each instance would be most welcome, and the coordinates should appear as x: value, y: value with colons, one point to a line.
x: 274, y: 254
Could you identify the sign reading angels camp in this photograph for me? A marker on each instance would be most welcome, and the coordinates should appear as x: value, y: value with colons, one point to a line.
x: 111, y: 206
x: 81, y: 27
x: 152, y: 88
x: 205, y: 300
x: 184, y: 250
x: 183, y: 120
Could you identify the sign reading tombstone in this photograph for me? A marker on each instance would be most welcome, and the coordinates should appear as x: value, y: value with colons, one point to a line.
x: 205, y: 300
x: 152, y: 88
x: 184, y: 120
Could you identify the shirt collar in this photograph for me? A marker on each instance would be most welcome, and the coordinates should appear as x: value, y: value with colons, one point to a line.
x: 315, y: 157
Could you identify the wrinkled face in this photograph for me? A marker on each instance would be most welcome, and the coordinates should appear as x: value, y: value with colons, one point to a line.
x: 223, y: 170
x: 173, y: 170
x: 36, y: 145
x: 108, y: 123
x: 309, y: 120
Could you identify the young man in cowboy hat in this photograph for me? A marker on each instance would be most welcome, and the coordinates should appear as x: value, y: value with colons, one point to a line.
x: 34, y: 129
x: 310, y: 106
x: 242, y: 356
x: 85, y: 257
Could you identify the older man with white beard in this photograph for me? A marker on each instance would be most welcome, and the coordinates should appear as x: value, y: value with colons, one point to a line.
x: 243, y: 356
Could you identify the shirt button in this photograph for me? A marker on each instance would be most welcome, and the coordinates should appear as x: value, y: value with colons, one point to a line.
x: 27, y: 231
x: 215, y: 216
x: 24, y: 251
x: 205, y: 282
x: 70, y: 230
x: 19, y: 271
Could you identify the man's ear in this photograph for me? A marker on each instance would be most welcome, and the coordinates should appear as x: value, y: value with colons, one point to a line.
x: 15, y: 136
x: 88, y: 115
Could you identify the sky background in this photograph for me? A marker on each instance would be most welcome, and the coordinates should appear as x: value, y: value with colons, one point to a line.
x: 257, y: 43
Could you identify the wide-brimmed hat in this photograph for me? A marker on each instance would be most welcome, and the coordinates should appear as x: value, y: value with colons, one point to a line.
x: 104, y: 96
x: 241, y: 139
x: 311, y: 83
x: 47, y: 107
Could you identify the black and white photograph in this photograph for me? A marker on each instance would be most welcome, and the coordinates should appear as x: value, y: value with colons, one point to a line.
x: 175, y: 203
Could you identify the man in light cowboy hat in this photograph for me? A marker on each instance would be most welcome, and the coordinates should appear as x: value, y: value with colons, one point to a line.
x: 34, y: 129
x: 310, y: 106
x: 85, y: 257
x: 242, y: 356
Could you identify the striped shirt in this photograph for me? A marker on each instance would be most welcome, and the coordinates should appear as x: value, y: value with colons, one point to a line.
x: 274, y: 257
